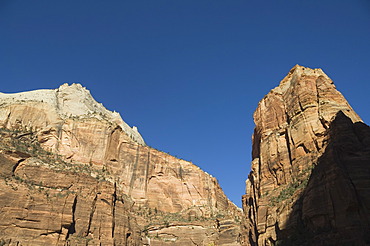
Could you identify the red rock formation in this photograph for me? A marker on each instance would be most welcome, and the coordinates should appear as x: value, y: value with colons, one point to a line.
x: 305, y: 124
x: 75, y: 173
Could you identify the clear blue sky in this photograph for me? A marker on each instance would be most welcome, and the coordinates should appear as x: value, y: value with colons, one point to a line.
x: 189, y: 73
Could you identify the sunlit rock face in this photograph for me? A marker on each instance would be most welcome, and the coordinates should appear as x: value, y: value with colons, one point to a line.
x: 310, y: 175
x: 74, y: 173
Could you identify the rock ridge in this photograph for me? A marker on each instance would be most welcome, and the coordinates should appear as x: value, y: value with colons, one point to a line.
x: 71, y: 101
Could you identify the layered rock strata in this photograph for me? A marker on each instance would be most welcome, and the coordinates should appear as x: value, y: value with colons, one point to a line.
x: 75, y: 173
x: 309, y: 181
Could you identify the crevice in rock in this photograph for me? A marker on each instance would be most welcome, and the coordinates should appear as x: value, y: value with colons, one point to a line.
x: 31, y: 220
x: 6, y: 120
x: 180, y: 173
x: 93, y: 207
x: 323, y: 122
x: 254, y: 208
x: 72, y: 226
x: 316, y: 144
x: 193, y: 241
x: 23, y: 135
x: 288, y: 146
x: 128, y: 234
x: 16, y: 165
x: 287, y: 117
x: 61, y: 221
x: 187, y: 187
x: 99, y: 232
x: 200, y: 195
x: 304, y: 148
x: 51, y: 232
x: 313, y: 137
x: 300, y: 105
x: 114, y: 200
x: 105, y: 201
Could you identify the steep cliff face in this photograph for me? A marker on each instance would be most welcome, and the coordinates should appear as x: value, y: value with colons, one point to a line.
x: 309, y: 181
x: 75, y: 173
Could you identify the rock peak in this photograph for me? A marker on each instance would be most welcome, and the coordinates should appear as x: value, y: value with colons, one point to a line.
x: 300, y: 68
x: 71, y: 101
x: 74, y: 88
x: 74, y: 85
x: 300, y: 71
x: 291, y: 133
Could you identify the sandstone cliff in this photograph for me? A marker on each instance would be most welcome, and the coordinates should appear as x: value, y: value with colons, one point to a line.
x: 310, y: 178
x: 74, y: 173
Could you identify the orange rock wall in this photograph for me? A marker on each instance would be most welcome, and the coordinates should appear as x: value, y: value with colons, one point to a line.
x: 113, y: 183
x: 293, y: 122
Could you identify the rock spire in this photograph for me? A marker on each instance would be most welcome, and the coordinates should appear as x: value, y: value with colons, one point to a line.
x: 305, y: 140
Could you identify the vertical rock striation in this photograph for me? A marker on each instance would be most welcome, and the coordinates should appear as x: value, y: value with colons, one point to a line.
x: 309, y: 181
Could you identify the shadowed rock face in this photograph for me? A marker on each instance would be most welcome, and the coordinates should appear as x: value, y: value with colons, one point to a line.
x: 335, y: 205
x: 309, y: 183
x: 75, y: 173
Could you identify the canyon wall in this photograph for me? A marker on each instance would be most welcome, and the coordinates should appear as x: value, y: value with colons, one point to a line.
x: 73, y: 172
x: 310, y: 178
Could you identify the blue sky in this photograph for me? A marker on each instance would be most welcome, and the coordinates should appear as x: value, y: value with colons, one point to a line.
x: 189, y: 73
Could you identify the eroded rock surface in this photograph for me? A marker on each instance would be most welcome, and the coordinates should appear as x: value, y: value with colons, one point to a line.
x: 74, y: 173
x: 309, y: 181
